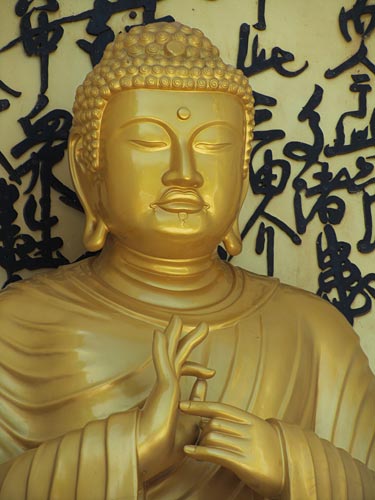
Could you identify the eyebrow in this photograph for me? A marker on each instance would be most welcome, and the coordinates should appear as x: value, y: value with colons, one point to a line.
x: 220, y: 123
x: 147, y: 119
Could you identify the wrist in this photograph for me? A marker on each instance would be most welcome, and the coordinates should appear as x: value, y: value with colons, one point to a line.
x: 151, y: 448
x: 141, y: 447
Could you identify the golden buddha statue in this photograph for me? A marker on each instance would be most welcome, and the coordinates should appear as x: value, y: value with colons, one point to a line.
x: 155, y: 370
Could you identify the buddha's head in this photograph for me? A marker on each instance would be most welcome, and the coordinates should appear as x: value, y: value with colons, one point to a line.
x: 160, y: 144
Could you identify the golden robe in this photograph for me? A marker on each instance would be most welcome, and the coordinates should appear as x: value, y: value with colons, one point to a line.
x: 74, y: 375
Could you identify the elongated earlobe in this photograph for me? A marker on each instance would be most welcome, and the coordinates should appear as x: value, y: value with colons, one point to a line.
x: 95, y: 234
x: 232, y: 240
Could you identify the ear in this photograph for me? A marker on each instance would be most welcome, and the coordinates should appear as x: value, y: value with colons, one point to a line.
x: 232, y: 240
x: 84, y: 181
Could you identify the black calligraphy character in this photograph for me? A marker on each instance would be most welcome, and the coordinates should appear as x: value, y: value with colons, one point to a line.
x: 353, y: 293
x: 22, y: 6
x: 329, y: 208
x: 359, y: 57
x: 40, y: 41
x: 261, y: 23
x: 102, y: 11
x: 367, y: 244
x: 266, y: 239
x: 13, y: 176
x: 359, y: 139
x: 301, y: 151
x: 259, y: 61
x: 4, y: 103
x: 8, y: 231
x: 358, y: 14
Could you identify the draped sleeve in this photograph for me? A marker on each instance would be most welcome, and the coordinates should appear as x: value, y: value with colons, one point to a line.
x: 337, y: 460
x: 318, y: 470
x: 97, y: 462
x: 52, y: 444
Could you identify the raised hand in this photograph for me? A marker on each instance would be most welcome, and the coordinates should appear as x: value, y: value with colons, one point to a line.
x: 163, y: 430
x: 237, y: 440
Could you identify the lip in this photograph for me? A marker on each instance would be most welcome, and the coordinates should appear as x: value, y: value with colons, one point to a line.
x: 181, y: 200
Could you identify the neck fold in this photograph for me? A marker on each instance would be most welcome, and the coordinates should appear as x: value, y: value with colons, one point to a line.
x: 178, y: 283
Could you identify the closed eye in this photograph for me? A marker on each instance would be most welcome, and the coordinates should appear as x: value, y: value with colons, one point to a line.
x: 211, y: 147
x: 149, y: 145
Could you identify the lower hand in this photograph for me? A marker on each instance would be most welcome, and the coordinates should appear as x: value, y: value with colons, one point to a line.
x: 237, y: 440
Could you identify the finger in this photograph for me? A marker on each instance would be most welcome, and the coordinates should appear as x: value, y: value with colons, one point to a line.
x: 223, y: 441
x: 199, y: 391
x: 212, y: 410
x: 173, y: 334
x: 224, y: 426
x: 160, y: 355
x: 197, y: 370
x: 217, y: 456
x: 187, y: 344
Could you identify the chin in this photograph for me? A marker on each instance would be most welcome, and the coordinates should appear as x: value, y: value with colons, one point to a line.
x: 183, y: 243
x: 177, y: 235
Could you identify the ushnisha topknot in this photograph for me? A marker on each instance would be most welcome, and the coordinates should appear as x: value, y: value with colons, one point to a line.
x: 168, y: 56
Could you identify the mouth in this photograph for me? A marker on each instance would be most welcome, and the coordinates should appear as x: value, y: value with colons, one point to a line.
x: 177, y: 200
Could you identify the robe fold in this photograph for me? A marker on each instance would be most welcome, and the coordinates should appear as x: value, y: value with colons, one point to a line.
x: 73, y: 376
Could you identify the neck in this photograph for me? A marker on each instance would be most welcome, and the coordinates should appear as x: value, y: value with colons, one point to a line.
x: 181, y: 284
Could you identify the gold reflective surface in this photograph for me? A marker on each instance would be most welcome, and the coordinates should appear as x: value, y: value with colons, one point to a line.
x: 155, y: 370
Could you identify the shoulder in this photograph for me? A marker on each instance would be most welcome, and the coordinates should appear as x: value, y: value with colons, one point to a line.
x: 37, y: 304
x: 319, y: 312
x: 42, y: 284
x: 318, y: 317
x: 281, y: 295
x: 328, y: 327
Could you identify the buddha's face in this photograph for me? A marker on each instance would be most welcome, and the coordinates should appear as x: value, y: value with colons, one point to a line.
x: 171, y: 169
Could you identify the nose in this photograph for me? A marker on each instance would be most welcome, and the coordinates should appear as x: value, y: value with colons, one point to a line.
x: 182, y: 170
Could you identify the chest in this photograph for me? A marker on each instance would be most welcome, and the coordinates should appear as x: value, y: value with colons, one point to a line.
x: 108, y: 368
